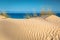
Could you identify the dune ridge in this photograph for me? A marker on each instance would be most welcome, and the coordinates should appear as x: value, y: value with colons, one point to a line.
x: 29, y: 29
x: 53, y: 19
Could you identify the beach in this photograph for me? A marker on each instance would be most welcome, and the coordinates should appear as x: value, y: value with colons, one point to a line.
x: 30, y: 29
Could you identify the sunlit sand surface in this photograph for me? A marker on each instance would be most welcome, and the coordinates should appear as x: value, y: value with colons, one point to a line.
x: 28, y: 29
x: 2, y: 17
x: 54, y: 19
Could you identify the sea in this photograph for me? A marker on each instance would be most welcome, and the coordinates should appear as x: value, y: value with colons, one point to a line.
x: 23, y: 15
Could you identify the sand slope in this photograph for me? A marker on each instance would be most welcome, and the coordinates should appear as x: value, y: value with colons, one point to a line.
x: 4, y: 37
x: 2, y: 17
x: 54, y: 19
x: 30, y: 29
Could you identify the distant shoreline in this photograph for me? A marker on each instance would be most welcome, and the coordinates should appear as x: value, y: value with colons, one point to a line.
x: 22, y: 15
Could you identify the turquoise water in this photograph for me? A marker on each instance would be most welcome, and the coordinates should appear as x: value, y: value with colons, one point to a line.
x: 23, y: 15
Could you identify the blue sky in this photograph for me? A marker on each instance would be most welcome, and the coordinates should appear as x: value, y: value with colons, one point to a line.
x: 22, y: 6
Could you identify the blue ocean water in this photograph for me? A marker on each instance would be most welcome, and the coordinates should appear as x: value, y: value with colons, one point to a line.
x: 23, y: 15
x: 58, y: 14
x: 16, y: 15
x: 19, y: 15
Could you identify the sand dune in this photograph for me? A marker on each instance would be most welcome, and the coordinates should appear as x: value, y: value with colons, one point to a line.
x: 3, y: 37
x: 2, y: 34
x: 2, y: 17
x: 54, y: 19
x: 30, y: 29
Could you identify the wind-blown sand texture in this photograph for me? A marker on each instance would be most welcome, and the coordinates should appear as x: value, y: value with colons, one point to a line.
x: 29, y: 29
x: 54, y: 19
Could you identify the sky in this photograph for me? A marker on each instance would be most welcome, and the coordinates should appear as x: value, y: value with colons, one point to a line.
x: 25, y: 6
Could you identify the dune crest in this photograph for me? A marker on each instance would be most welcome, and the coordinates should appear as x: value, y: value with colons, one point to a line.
x: 53, y: 19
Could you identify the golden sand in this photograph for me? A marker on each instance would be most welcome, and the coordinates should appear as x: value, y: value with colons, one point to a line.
x: 2, y: 17
x: 54, y: 19
x: 30, y: 29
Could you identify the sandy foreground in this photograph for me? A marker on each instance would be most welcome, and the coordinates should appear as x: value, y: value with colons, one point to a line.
x: 28, y: 29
